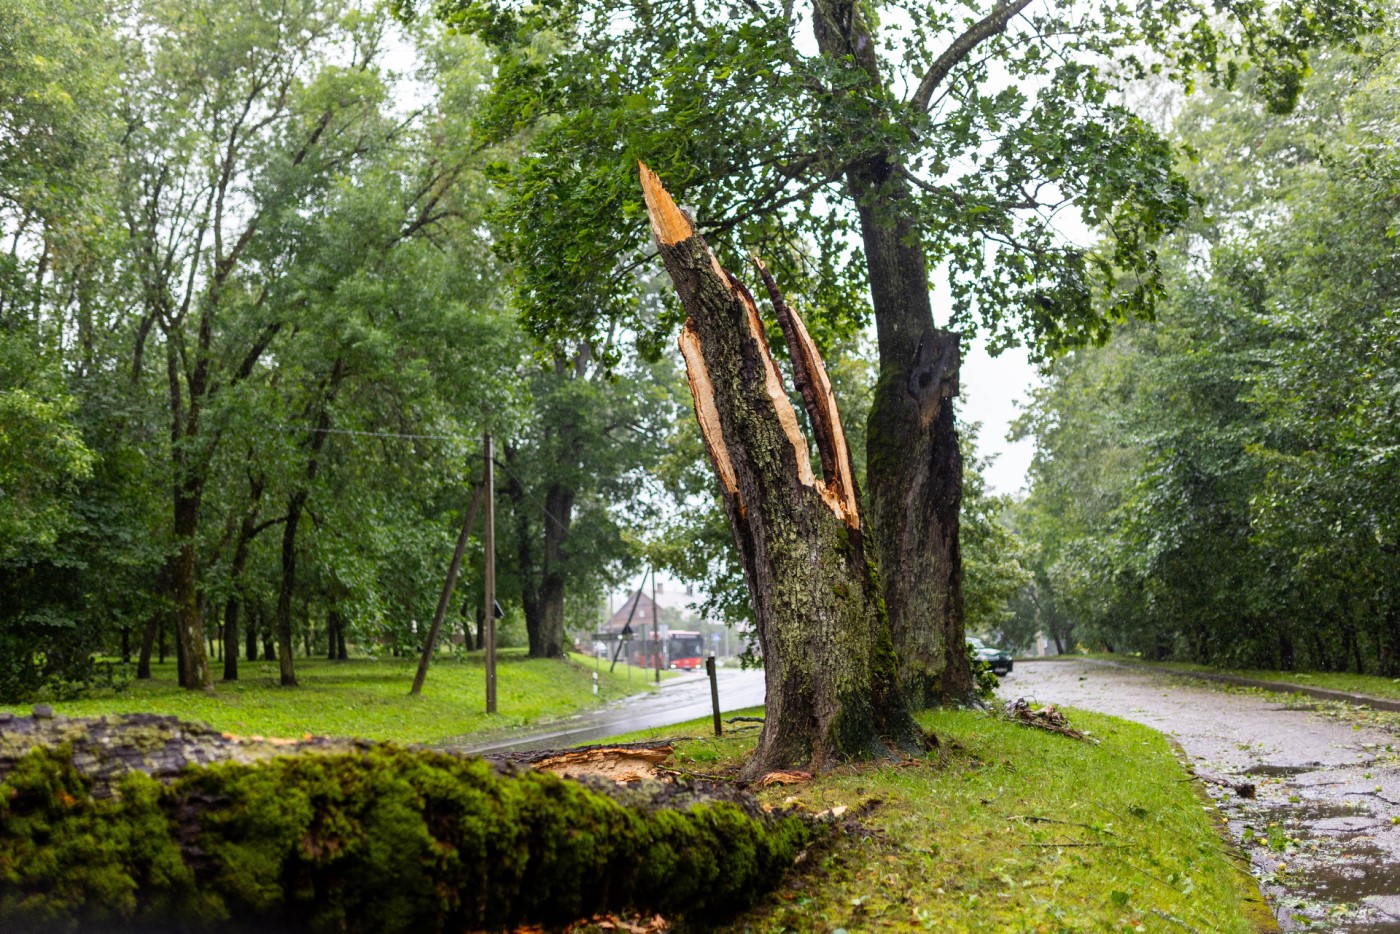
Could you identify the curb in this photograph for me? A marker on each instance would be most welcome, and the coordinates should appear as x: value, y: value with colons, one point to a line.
x: 1258, y: 909
x: 1282, y: 687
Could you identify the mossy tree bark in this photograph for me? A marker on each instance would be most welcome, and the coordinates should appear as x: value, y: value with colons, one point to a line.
x: 829, y: 663
x: 913, y: 465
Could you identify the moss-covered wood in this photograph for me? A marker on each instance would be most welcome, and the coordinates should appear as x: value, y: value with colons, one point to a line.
x: 829, y: 664
x: 385, y: 839
x: 913, y: 466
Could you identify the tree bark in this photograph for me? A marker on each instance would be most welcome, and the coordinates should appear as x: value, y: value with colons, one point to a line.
x: 829, y: 664
x: 547, y: 632
x: 296, y: 505
x: 913, y: 464
x: 247, y: 531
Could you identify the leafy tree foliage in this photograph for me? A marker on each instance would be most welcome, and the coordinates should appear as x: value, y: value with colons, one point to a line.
x: 251, y: 330
x: 1220, y: 486
x: 925, y: 136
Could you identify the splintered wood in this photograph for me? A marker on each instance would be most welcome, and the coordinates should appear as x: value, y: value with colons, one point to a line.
x: 1046, y: 718
x: 615, y: 763
x: 837, y: 489
x: 703, y: 392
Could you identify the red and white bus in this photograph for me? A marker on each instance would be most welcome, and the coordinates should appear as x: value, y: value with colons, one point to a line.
x: 685, y: 650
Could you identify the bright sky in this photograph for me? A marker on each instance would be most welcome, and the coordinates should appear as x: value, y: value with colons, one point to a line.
x: 991, y: 390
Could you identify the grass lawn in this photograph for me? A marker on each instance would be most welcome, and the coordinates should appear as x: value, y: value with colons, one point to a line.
x: 369, y: 697
x: 1375, y: 685
x: 1005, y: 828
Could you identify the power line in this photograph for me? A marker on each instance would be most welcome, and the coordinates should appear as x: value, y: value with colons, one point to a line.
x: 370, y: 434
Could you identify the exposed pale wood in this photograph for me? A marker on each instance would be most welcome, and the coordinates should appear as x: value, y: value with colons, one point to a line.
x: 809, y: 373
x: 773, y: 385
x: 615, y: 763
x: 703, y: 392
x: 668, y: 224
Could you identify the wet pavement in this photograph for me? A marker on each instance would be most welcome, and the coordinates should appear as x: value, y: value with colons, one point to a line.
x: 676, y: 701
x: 1323, y: 833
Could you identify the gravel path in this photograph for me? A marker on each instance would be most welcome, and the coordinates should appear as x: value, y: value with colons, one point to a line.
x: 1323, y: 835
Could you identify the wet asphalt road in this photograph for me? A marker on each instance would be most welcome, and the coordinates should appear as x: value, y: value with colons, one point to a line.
x: 676, y: 701
x: 1328, y: 805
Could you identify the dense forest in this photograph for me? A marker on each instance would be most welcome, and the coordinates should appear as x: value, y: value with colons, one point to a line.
x: 1222, y: 484
x: 270, y: 271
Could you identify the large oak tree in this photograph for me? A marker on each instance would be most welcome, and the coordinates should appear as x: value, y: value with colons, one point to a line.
x: 907, y: 137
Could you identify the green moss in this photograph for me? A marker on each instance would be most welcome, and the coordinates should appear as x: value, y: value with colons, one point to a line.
x: 390, y: 840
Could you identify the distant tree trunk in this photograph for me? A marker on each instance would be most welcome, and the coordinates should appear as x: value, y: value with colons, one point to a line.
x: 335, y: 636
x: 155, y: 623
x: 833, y: 689
x: 296, y: 504
x: 148, y: 644
x: 248, y: 529
x: 480, y: 626
x: 544, y: 605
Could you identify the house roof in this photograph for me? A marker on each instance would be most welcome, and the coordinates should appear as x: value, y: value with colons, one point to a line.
x: 646, y: 612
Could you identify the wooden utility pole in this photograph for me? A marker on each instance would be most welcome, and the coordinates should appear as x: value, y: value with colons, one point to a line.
x: 655, y: 626
x: 490, y: 575
x: 446, y: 598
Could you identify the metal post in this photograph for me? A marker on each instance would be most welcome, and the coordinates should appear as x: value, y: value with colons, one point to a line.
x: 714, y: 690
x: 655, y: 626
x: 490, y: 575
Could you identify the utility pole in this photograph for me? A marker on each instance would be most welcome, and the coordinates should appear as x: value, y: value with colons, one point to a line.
x: 490, y: 575
x: 655, y: 626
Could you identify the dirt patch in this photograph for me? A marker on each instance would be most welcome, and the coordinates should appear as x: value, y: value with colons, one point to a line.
x: 1323, y: 833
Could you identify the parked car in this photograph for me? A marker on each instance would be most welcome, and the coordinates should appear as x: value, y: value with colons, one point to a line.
x: 998, y: 660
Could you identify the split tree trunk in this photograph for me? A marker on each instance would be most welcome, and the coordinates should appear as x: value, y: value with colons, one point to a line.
x: 829, y: 663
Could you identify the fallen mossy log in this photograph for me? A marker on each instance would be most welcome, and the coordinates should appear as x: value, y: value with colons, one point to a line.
x: 374, y: 838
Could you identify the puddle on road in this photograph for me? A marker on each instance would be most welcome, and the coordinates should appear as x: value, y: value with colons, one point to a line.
x: 1362, y: 872
x: 1330, y: 863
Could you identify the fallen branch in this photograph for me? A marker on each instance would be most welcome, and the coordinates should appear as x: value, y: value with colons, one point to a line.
x: 191, y: 828
x: 1243, y: 789
x: 1046, y: 718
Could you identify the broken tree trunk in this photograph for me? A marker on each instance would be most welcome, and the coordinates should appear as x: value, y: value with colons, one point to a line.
x: 347, y: 835
x: 829, y: 664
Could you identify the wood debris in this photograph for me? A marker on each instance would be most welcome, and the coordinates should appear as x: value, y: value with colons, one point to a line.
x: 784, y: 778
x: 1243, y: 789
x: 629, y: 762
x: 1046, y: 718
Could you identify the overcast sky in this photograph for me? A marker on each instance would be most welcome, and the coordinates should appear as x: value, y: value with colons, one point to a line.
x: 990, y: 391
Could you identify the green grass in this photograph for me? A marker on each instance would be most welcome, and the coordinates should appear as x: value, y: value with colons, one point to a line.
x: 369, y: 698
x: 1374, y: 685
x: 1005, y: 828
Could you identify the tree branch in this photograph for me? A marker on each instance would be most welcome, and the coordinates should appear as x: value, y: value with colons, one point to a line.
x: 992, y: 24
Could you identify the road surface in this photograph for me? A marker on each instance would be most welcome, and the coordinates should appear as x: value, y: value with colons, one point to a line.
x: 1323, y: 836
x: 676, y: 701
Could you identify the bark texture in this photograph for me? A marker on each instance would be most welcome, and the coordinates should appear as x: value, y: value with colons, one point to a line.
x: 914, y: 467
x: 829, y: 663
